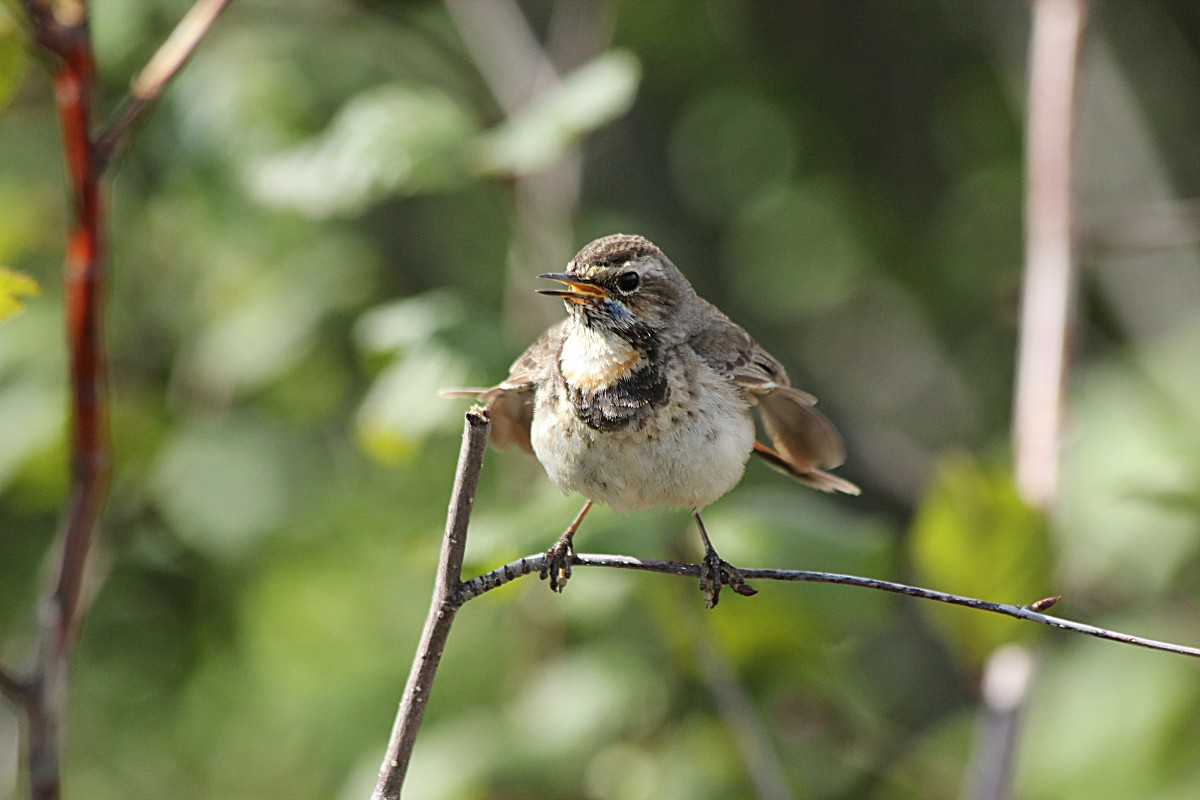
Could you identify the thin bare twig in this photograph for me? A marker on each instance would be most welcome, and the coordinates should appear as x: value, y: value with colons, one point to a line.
x: 159, y: 70
x: 523, y: 566
x: 446, y: 602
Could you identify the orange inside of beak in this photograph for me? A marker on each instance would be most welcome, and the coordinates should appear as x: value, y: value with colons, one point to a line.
x: 578, y: 292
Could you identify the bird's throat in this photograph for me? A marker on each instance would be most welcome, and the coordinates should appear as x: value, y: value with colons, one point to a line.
x: 593, y: 359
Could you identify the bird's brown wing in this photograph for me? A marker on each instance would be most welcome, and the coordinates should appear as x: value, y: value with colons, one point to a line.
x: 805, y: 443
x: 510, y: 402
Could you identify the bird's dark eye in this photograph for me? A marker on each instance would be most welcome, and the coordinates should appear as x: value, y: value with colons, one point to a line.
x: 628, y: 281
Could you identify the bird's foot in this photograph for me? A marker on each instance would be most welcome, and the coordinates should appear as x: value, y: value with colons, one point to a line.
x: 713, y: 572
x: 557, y: 563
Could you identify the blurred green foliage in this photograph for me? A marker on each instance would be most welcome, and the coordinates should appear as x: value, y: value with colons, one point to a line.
x: 973, y: 535
x: 330, y: 217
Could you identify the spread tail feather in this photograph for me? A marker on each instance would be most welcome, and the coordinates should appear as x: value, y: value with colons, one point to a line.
x: 816, y: 478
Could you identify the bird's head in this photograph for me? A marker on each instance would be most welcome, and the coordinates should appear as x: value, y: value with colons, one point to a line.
x: 625, y: 285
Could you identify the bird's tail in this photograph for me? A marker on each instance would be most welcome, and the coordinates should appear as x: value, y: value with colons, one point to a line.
x: 471, y: 394
x: 816, y: 478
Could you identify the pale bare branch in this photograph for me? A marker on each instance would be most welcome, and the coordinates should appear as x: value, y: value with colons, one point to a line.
x: 442, y: 608
x: 162, y: 67
x: 1050, y: 257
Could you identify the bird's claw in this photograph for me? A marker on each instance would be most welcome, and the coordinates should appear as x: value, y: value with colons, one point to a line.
x: 713, y: 572
x: 557, y: 564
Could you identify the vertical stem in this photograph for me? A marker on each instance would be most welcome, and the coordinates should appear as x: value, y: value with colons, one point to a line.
x: 1006, y: 684
x: 442, y: 608
x: 64, y: 29
x: 1049, y: 246
x: 1046, y: 326
x: 84, y: 291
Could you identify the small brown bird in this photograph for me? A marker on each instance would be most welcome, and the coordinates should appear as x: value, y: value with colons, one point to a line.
x: 641, y: 397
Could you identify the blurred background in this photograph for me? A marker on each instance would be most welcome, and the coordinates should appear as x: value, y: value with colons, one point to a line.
x: 340, y: 208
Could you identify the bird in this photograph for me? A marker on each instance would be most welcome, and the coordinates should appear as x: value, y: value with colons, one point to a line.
x: 643, y: 397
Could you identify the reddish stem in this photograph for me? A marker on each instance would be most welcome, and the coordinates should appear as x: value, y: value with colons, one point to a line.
x: 63, y: 30
x: 74, y: 83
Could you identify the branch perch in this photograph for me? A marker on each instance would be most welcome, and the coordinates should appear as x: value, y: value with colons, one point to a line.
x: 510, y: 572
x: 446, y: 602
x: 451, y: 593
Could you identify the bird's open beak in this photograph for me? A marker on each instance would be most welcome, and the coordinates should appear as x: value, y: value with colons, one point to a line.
x: 577, y: 291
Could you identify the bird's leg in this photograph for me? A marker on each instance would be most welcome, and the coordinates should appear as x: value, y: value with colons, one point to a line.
x: 714, y: 571
x: 557, y: 564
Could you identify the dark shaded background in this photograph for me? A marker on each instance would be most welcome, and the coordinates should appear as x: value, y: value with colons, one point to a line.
x: 340, y: 208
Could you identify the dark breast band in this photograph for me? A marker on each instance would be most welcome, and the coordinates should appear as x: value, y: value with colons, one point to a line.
x: 629, y: 399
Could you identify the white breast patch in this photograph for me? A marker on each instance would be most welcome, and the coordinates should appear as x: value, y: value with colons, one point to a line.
x: 592, y: 359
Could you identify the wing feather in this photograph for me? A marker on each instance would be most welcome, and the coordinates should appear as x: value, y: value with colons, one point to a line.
x: 805, y: 441
x: 510, y: 402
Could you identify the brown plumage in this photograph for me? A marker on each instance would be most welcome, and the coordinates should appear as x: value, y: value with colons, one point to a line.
x: 642, y: 397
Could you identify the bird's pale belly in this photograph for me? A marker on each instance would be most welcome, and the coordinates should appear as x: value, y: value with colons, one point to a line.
x: 684, y: 454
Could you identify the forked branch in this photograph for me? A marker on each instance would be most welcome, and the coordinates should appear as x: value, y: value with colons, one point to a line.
x: 450, y: 593
x: 446, y: 602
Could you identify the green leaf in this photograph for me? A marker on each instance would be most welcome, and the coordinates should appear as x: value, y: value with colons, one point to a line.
x: 390, y: 140
x: 973, y: 535
x: 399, y: 410
x: 597, y: 93
x: 13, y: 286
x: 12, y: 57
